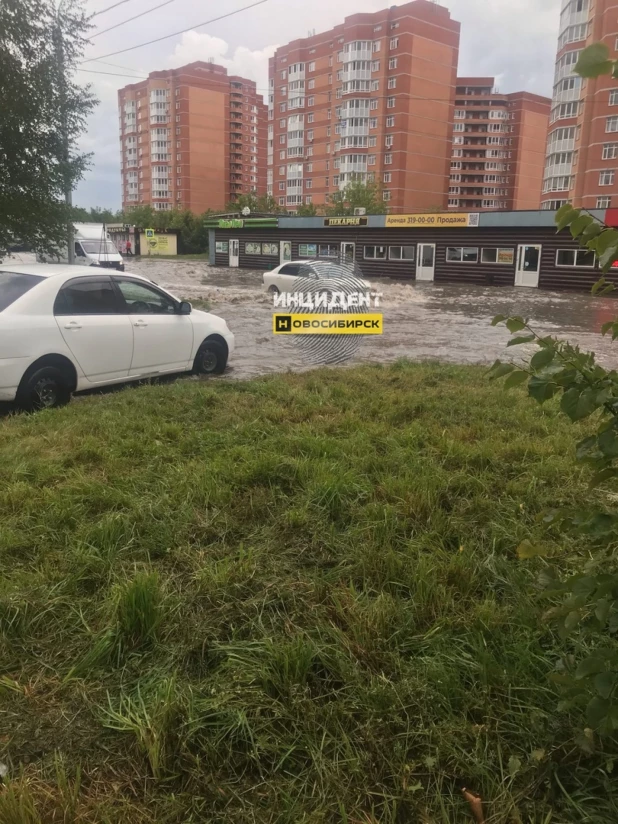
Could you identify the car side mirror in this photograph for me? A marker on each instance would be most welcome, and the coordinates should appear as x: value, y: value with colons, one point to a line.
x: 184, y: 308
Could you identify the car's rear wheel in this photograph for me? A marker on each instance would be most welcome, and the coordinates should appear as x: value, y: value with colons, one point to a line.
x: 273, y: 290
x: 211, y: 358
x: 45, y: 388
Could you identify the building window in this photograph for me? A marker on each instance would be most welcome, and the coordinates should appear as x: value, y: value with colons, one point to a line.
x: 457, y: 141
x: 283, y: 123
x: 606, y: 178
x: 613, y: 98
x: 459, y: 127
x: 284, y: 74
x: 282, y: 138
x: 308, y: 184
x: 581, y: 258
x: 328, y: 250
x: 461, y: 113
x: 312, y: 66
x: 311, y: 84
x: 373, y: 123
x: 178, y: 157
x: 390, y: 103
x: 371, y: 160
x: 462, y: 254
x: 401, y: 253
x: 374, y: 253
x: 373, y: 141
x: 611, y: 125
x: 390, y: 121
x: 310, y: 101
x: 389, y: 141
x: 604, y: 202
x: 308, y: 199
x: 392, y: 82
x: 177, y: 132
x: 394, y: 42
x: 610, y: 151
x: 282, y: 154
x: 310, y: 118
x: 282, y: 186
x: 376, y: 46
x: 388, y: 159
x: 392, y: 63
x: 375, y: 85
x: 377, y: 28
x: 502, y: 256
x: 386, y: 195
x: 374, y: 104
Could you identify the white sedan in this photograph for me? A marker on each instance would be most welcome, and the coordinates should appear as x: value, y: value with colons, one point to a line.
x: 284, y: 278
x: 65, y: 329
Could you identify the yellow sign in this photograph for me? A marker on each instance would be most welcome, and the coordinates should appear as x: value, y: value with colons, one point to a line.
x: 162, y: 243
x: 328, y: 324
x: 444, y: 220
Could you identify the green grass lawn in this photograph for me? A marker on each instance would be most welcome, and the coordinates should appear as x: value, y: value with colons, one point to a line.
x: 290, y: 600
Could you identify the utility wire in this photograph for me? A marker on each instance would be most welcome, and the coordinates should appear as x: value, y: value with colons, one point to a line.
x: 109, y: 8
x: 176, y: 33
x: 124, y: 22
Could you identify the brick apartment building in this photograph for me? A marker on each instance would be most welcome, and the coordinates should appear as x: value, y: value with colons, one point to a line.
x: 371, y: 99
x: 499, y: 143
x: 191, y: 138
x: 582, y: 145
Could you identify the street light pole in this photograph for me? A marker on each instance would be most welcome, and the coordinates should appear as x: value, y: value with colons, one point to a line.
x: 66, y: 154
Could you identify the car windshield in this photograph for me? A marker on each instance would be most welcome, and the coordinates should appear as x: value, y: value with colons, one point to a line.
x: 98, y: 247
x: 13, y: 285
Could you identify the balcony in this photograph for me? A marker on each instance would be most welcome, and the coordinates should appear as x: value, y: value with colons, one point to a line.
x: 158, y: 119
x: 356, y: 54
x: 561, y: 146
x: 558, y: 170
x: 296, y: 103
x: 361, y: 130
x: 349, y: 111
x: 356, y: 74
x: 357, y: 87
x: 296, y: 142
x: 236, y: 167
x: 347, y: 167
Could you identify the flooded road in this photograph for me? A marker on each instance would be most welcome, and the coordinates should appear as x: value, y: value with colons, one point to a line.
x: 422, y: 321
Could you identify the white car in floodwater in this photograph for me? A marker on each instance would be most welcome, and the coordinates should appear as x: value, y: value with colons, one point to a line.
x: 284, y: 278
x: 65, y: 329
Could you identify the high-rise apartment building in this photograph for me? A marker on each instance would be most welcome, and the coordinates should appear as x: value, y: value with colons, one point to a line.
x: 499, y: 142
x: 372, y: 100
x: 191, y: 138
x: 582, y: 146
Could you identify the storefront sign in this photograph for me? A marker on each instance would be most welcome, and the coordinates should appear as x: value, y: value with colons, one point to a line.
x: 506, y: 256
x: 231, y: 224
x: 444, y: 220
x: 345, y: 221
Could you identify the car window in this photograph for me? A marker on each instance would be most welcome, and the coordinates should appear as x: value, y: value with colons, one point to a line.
x: 289, y: 269
x: 13, y: 285
x: 141, y: 299
x: 87, y: 296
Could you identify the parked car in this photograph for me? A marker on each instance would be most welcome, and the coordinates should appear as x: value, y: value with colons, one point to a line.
x: 65, y: 329
x: 284, y: 278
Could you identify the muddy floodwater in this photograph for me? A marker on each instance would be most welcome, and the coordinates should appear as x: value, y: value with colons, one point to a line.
x: 422, y: 321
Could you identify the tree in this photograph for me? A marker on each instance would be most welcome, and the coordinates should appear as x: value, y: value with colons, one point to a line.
x: 585, y: 594
x: 265, y: 204
x: 43, y: 114
x: 306, y: 210
x: 358, y: 194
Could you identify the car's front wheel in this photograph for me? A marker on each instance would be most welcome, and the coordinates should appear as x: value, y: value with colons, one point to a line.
x: 273, y: 290
x: 211, y: 358
x: 45, y: 388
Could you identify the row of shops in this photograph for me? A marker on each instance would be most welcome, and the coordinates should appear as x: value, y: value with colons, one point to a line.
x: 490, y: 248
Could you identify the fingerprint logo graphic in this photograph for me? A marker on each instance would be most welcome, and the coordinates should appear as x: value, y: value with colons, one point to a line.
x: 332, y: 280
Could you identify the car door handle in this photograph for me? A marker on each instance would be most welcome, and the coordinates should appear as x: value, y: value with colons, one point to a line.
x: 140, y: 323
x: 73, y: 325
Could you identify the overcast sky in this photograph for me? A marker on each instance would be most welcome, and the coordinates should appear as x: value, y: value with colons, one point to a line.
x: 513, y: 41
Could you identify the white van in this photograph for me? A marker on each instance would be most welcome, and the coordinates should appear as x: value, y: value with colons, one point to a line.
x: 93, y: 247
